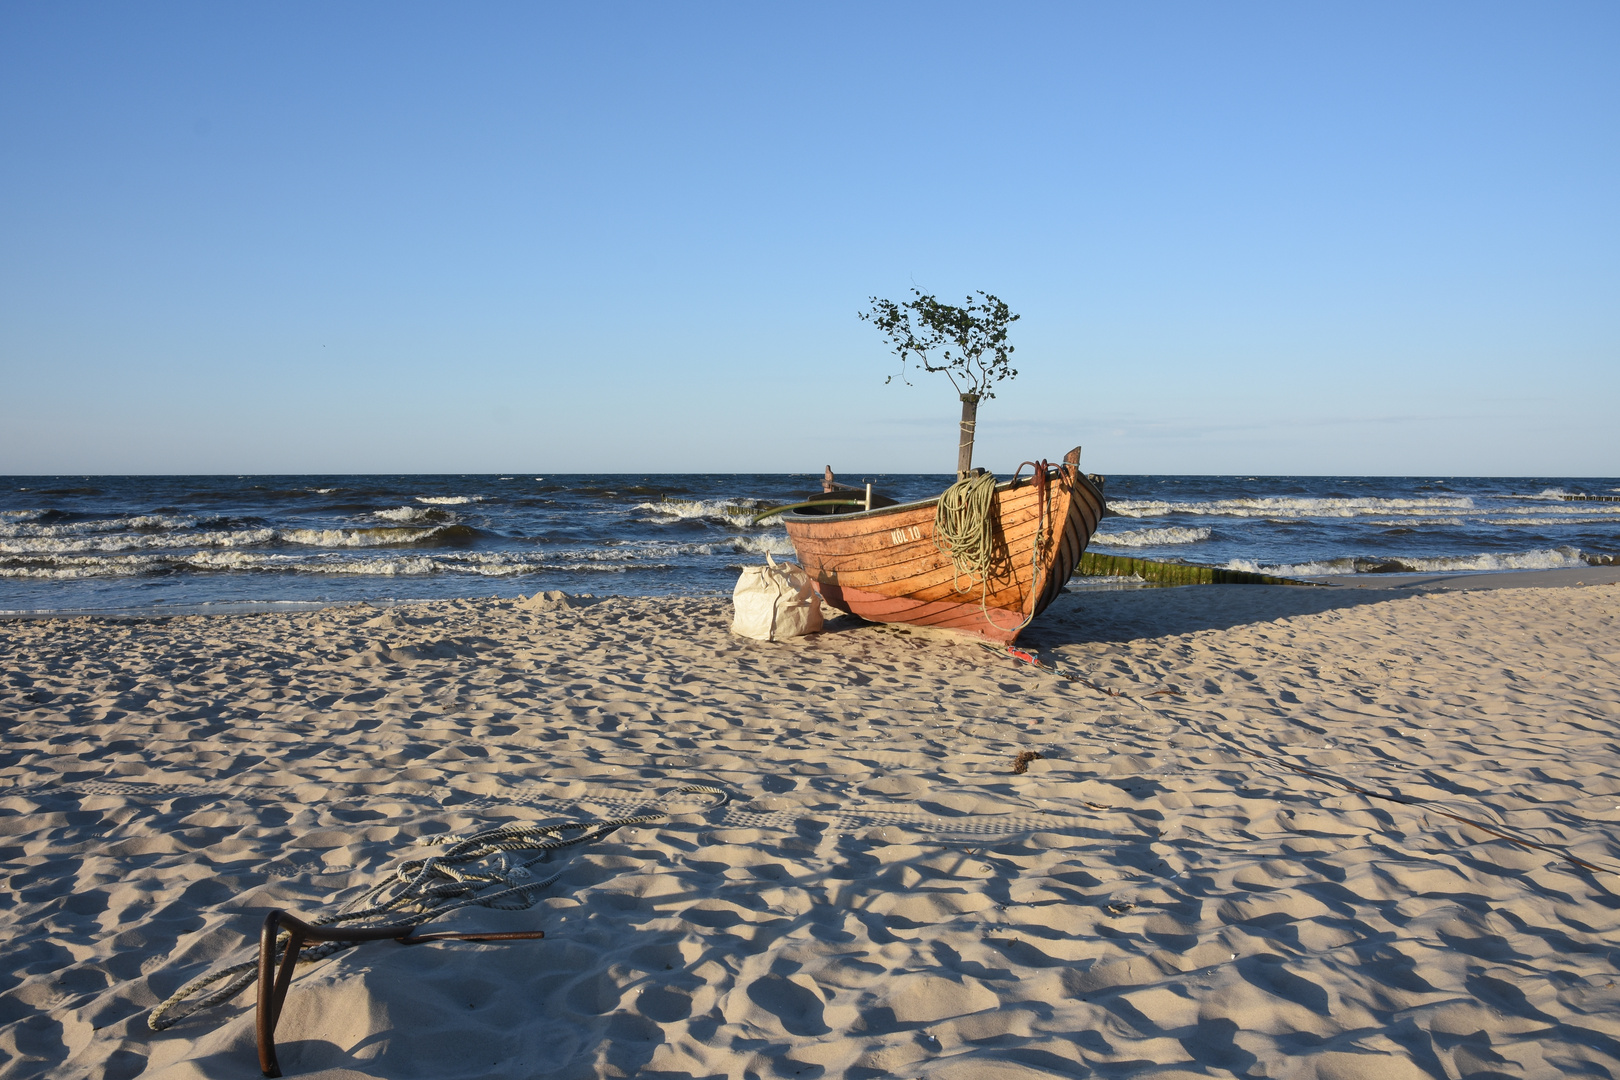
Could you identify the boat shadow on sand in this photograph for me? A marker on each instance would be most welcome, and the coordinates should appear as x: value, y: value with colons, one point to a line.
x: 1114, y: 616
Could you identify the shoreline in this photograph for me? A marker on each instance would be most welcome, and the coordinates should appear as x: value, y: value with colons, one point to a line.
x: 886, y: 892
x: 1564, y: 577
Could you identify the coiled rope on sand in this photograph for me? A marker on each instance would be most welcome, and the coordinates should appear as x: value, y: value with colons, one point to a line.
x: 429, y: 889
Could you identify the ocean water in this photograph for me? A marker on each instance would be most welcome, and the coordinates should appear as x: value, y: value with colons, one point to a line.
x: 182, y: 542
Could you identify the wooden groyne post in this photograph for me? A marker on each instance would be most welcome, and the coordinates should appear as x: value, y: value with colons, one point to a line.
x: 1094, y: 565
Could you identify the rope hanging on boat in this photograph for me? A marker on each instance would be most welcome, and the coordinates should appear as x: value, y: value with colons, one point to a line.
x: 963, y: 528
x: 428, y: 889
x: 1043, y: 488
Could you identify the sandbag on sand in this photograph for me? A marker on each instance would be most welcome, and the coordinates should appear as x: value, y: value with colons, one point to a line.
x: 774, y: 602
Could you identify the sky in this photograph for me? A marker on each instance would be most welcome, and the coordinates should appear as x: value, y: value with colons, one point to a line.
x: 1257, y: 238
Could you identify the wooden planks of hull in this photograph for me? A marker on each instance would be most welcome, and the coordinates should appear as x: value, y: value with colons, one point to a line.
x: 993, y: 624
x: 883, y: 565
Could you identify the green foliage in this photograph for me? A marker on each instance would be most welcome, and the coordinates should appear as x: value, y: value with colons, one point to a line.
x: 967, y: 343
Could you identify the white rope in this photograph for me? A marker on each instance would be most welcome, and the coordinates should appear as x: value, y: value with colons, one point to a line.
x: 429, y: 888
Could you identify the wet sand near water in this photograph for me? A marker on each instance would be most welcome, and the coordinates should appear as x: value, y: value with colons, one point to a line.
x: 1191, y: 878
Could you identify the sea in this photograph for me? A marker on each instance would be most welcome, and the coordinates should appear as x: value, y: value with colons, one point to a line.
x: 185, y: 544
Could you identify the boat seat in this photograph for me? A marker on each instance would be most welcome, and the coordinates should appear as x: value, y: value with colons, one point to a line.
x: 843, y: 507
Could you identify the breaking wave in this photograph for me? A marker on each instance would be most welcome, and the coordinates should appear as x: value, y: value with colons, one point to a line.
x: 1141, y: 538
x: 138, y: 523
x: 487, y: 564
x: 757, y: 545
x: 1546, y: 559
x: 1545, y: 495
x: 1415, y: 522
x: 687, y: 509
x: 449, y: 500
x: 380, y: 536
x: 40, y: 545
x: 777, y: 544
x: 414, y: 513
x: 1576, y: 518
x: 1445, y: 511
x: 83, y: 562
x: 1290, y: 507
x: 56, y: 542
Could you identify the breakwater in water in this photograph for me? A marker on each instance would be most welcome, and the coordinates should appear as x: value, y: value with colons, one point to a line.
x: 1095, y: 565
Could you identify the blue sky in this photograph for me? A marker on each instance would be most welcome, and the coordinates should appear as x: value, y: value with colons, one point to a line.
x: 1273, y: 238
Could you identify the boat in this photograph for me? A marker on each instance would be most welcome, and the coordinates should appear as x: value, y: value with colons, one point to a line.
x: 881, y: 563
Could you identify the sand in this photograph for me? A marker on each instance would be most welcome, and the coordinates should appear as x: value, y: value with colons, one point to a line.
x: 1156, y: 894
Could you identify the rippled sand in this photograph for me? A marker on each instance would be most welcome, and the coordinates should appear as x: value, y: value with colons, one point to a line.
x: 884, y: 895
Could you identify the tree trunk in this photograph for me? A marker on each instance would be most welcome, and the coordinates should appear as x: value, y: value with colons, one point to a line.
x: 964, y: 449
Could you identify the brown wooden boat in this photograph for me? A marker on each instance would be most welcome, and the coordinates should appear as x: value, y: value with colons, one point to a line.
x: 883, y: 565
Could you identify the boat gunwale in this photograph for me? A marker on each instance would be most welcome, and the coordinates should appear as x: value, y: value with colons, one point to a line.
x: 1006, y: 485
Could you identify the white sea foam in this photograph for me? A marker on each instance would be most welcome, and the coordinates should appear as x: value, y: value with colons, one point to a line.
x: 1140, y: 538
x: 499, y: 564
x: 696, y: 508
x: 1580, y: 518
x: 140, y: 522
x: 158, y: 521
x: 41, y: 545
x: 132, y: 534
x: 410, y: 565
x: 449, y: 500
x: 1560, y: 511
x: 489, y: 564
x: 641, y: 551
x: 1307, y: 569
x: 1579, y: 509
x: 1413, y: 522
x: 1287, y: 507
x: 65, y: 567
x: 380, y: 536
x: 68, y: 573
x: 234, y: 560
x: 411, y: 513
x: 329, y: 552
x: 760, y: 545
x: 1545, y: 559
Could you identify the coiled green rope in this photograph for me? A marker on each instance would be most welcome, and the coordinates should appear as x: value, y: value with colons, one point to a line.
x: 963, y: 528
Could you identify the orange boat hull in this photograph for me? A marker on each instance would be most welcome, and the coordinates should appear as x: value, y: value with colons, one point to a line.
x: 883, y: 565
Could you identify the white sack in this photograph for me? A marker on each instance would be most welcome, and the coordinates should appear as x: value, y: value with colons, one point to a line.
x: 775, y: 601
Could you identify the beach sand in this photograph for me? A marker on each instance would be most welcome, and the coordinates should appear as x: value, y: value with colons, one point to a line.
x: 1158, y: 893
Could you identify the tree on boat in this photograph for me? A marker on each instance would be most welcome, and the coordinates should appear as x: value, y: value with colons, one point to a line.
x: 967, y: 343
